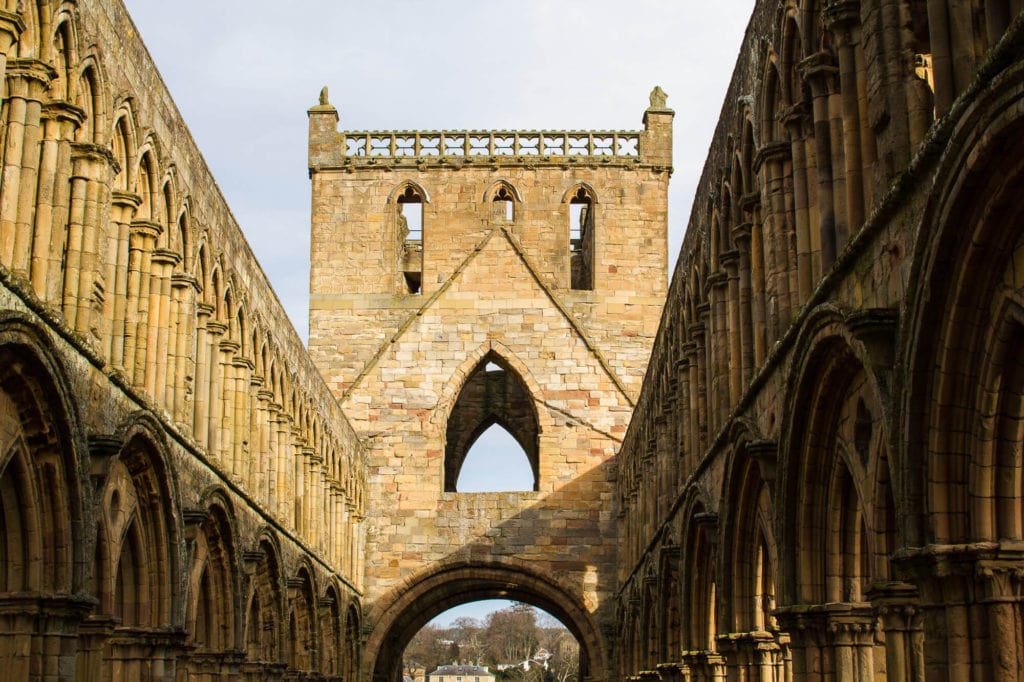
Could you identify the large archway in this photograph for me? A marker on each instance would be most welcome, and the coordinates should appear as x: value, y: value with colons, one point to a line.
x: 403, y: 611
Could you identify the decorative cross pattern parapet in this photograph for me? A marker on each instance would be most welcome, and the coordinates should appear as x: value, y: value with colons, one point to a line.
x: 650, y: 147
x: 433, y: 145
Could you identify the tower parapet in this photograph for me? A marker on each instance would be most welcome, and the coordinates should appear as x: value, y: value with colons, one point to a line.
x: 650, y: 147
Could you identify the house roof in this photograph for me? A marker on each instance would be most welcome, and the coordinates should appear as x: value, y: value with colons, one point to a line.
x: 461, y: 670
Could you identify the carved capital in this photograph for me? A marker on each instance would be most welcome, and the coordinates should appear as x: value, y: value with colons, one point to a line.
x: 766, y: 454
x: 876, y: 329
x: 28, y: 78
x: 841, y: 14
x: 146, y: 229
x: 166, y: 257
x: 778, y: 151
x: 819, y: 70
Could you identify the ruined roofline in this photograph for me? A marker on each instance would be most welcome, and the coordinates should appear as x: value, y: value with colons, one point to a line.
x: 650, y: 147
x: 466, y: 145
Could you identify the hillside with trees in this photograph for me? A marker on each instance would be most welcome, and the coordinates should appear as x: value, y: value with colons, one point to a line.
x: 517, y: 643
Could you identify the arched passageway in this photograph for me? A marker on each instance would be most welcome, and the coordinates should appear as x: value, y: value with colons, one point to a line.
x: 400, y: 614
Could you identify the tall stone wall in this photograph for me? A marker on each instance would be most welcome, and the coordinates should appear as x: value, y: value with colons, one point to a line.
x: 819, y: 482
x: 182, y: 495
x: 495, y: 296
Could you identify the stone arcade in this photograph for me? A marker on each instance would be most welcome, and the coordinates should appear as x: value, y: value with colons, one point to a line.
x: 808, y: 467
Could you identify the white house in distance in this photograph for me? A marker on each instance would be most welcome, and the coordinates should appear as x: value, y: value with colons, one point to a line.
x: 460, y: 673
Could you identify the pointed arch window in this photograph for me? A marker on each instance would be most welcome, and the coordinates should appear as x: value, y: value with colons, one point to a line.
x: 581, y: 240
x: 504, y: 204
x: 494, y: 395
x: 410, y: 234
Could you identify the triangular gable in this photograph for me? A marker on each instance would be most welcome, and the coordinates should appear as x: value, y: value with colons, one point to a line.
x: 529, y: 271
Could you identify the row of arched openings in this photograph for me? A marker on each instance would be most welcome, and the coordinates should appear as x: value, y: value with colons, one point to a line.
x: 786, y: 571
x: 505, y: 203
x: 164, y: 587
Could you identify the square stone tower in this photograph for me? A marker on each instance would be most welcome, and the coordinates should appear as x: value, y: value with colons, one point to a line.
x: 466, y: 278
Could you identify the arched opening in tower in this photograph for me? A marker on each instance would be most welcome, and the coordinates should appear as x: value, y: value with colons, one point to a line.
x: 492, y: 438
x: 397, y: 642
x: 494, y: 639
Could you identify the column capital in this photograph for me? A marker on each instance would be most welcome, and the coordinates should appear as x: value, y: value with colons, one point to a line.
x: 779, y: 150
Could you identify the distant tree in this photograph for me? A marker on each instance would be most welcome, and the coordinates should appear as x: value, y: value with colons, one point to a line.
x: 469, y: 633
x: 511, y: 634
x: 564, y: 665
x: 426, y: 649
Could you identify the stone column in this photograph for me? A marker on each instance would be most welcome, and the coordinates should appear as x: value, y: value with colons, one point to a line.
x: 741, y: 237
x: 159, y: 355
x: 697, y: 330
x: 242, y: 422
x: 141, y: 242
x: 97, y: 161
x: 182, y: 384
x: 758, y: 328
x: 718, y: 349
x: 683, y: 413
x: 251, y: 466
x: 320, y: 511
x: 283, y: 457
x: 52, y: 252
x: 772, y: 158
x: 1000, y: 578
x: 692, y: 431
x: 819, y: 73
x: 115, y: 309
x: 264, y: 452
x: 224, y: 402
x: 298, y: 468
x: 842, y: 17
x: 808, y: 246
x: 201, y: 405
x: 300, y: 496
x: 59, y: 121
x: 27, y: 81
x: 213, y: 406
x: 832, y: 641
x: 730, y: 261
x: 899, y: 616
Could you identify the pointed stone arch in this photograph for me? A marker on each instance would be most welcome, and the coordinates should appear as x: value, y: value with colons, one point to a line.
x: 484, y: 397
x: 396, y: 194
x: 42, y: 543
x: 699, y: 577
x: 302, y: 627
x: 42, y: 500
x: 263, y: 614
x: 352, y: 644
x: 213, y: 606
x: 330, y: 626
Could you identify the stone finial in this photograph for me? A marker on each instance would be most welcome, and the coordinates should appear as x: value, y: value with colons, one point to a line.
x: 325, y: 103
x: 658, y: 98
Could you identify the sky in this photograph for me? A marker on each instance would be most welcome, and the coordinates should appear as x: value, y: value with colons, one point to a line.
x: 244, y: 73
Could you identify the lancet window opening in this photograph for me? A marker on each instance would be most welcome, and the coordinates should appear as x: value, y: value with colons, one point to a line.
x: 410, y: 234
x: 581, y: 240
x: 504, y: 203
x: 493, y: 394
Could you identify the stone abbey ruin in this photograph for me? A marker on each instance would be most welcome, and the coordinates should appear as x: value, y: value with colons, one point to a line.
x: 799, y: 457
